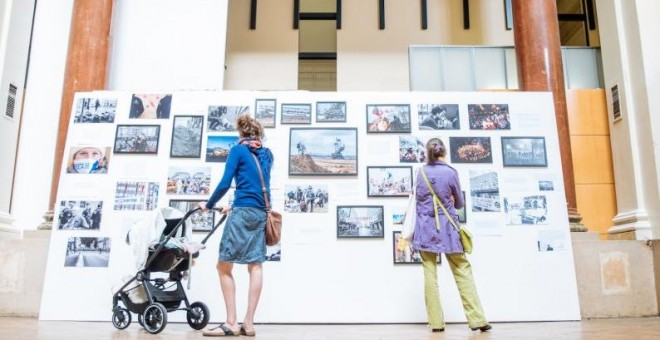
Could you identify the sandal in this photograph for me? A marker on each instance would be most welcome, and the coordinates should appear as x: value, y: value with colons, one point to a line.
x: 246, y: 333
x: 221, y: 330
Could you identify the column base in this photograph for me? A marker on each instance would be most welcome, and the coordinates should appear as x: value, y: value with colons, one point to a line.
x: 47, y: 224
x: 634, y: 225
x: 575, y: 222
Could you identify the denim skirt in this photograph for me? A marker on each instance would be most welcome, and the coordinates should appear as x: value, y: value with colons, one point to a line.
x: 244, y: 237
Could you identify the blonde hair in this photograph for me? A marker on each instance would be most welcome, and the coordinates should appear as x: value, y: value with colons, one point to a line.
x: 249, y: 127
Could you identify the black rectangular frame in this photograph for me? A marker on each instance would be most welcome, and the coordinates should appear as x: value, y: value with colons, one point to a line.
x: 119, y: 126
x: 256, y: 103
x: 369, y: 109
x: 345, y: 113
x: 201, y: 133
x: 510, y: 138
x: 283, y: 122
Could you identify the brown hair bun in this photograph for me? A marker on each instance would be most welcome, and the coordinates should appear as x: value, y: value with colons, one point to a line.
x: 249, y: 127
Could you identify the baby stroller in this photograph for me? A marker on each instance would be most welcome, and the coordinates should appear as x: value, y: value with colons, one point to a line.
x: 162, y: 295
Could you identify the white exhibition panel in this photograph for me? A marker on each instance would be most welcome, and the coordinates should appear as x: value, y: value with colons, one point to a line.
x: 320, y: 278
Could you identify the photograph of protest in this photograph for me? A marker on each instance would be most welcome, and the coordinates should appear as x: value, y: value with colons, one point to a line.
x: 438, y: 117
x: 524, y: 151
x: 87, y: 252
x: 199, y: 220
x: 265, y: 111
x: 389, y: 181
x: 80, y: 215
x: 328, y: 112
x: 137, y: 139
x: 546, y: 186
x: 552, y: 240
x: 323, y: 152
x: 296, y: 114
x: 150, y: 106
x: 462, y: 212
x: 489, y: 117
x: 411, y: 150
x: 360, y: 221
x: 470, y: 150
x: 484, y: 191
x: 526, y: 209
x: 88, y: 160
x: 306, y: 198
x: 274, y: 253
x: 223, y: 118
x: 217, y: 147
x: 403, y: 251
x: 95, y: 110
x: 388, y: 118
x: 188, y: 180
x: 187, y: 137
x: 136, y: 196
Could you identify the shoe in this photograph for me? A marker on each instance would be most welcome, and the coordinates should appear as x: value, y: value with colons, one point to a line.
x: 434, y: 330
x: 482, y: 328
x: 246, y: 333
x: 221, y: 330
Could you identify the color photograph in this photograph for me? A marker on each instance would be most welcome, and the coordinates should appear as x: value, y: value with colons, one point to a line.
x: 150, y: 106
x: 489, y: 117
x: 296, y: 114
x: 324, y: 152
x: 188, y: 180
x: 360, y: 221
x: 223, y: 118
x: 199, y: 220
x: 217, y: 147
x: 137, y: 139
x: 328, y: 112
x: 389, y: 181
x: 387, y: 118
x: 438, y: 117
x: 484, y: 191
x: 265, y: 111
x: 470, y: 150
x: 524, y: 151
x: 88, y: 160
x: 411, y: 150
x: 403, y: 251
x: 136, y: 196
x: 306, y: 198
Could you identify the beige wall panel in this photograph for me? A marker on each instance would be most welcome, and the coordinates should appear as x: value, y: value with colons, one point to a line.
x: 597, y: 205
x: 587, y: 112
x: 487, y: 23
x: 592, y: 159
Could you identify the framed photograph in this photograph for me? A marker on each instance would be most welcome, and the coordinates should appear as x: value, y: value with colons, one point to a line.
x: 296, y: 114
x: 306, y: 198
x: 136, y: 195
x: 389, y: 181
x: 438, y: 117
x: 524, y: 152
x: 546, y: 186
x: 403, y: 252
x: 470, y: 150
x: 198, y: 221
x: 489, y: 117
x: 526, y: 209
x: 223, y: 118
x: 137, y: 139
x: 274, y: 253
x: 88, y: 160
x: 484, y: 191
x: 187, y: 137
x: 80, y: 215
x: 330, y: 112
x: 217, y: 147
x: 411, y: 150
x: 188, y: 180
x: 95, y: 110
x: 388, y: 118
x: 265, y: 111
x: 323, y: 152
x: 360, y: 221
x: 87, y: 252
x: 150, y: 106
x: 462, y: 212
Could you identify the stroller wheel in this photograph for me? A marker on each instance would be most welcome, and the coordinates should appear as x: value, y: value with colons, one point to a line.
x: 154, y: 318
x: 121, y: 318
x: 141, y: 320
x: 198, y: 315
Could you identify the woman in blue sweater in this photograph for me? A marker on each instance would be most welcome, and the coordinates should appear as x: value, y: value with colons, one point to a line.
x: 243, y: 239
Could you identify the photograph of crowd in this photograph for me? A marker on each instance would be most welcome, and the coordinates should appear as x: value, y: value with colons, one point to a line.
x: 546, y: 186
x: 87, y: 252
x: 552, y: 240
x: 411, y: 150
x: 330, y: 151
x: 187, y: 137
x: 189, y: 180
x: 360, y: 221
x: 137, y: 139
x: 150, y: 106
x: 306, y: 198
x: 296, y: 114
x: 522, y: 209
x: 274, y: 253
x: 217, y: 147
x: 88, y: 160
x: 199, y: 220
x: 388, y: 118
x: 403, y: 251
x: 223, y: 118
x: 95, y: 110
x: 389, y: 181
x: 489, y: 117
x: 524, y: 151
x: 484, y: 191
x: 330, y: 112
x: 265, y: 111
x: 438, y: 117
x: 136, y: 196
x: 80, y: 215
x: 470, y: 150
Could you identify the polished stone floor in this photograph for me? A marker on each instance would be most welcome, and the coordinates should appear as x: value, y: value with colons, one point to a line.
x: 633, y: 328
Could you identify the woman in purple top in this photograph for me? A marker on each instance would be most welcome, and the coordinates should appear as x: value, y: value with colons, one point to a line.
x: 431, y: 239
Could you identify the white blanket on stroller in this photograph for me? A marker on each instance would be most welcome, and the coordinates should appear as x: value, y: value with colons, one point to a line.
x: 144, y: 233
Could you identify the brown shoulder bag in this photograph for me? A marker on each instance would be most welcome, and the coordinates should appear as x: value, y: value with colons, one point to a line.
x: 274, y: 221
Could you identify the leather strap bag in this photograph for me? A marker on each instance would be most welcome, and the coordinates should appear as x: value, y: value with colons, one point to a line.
x: 274, y: 221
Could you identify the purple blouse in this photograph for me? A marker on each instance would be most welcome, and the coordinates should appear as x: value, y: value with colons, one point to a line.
x: 444, y: 180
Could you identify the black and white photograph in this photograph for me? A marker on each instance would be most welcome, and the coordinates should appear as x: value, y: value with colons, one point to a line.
x: 80, y: 215
x: 524, y: 152
x: 191, y: 180
x: 388, y: 118
x: 136, y: 195
x: 330, y: 112
x: 484, y: 191
x: 95, y: 110
x: 274, y: 253
x: 87, y: 252
x: 265, y: 112
x: 546, y: 186
x: 217, y: 147
x: 88, y: 160
x: 360, y: 221
x: 526, y: 209
x: 462, y: 212
x: 411, y: 150
x: 223, y: 118
x: 296, y: 114
x: 323, y: 152
x: 306, y: 198
x: 489, y: 117
x: 389, y: 181
x: 403, y: 251
x: 552, y: 240
x: 199, y: 220
x: 187, y: 137
x: 438, y: 117
x: 150, y: 106
x: 137, y: 139
x: 470, y: 150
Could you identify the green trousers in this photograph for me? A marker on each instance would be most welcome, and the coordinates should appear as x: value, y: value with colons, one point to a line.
x: 462, y: 270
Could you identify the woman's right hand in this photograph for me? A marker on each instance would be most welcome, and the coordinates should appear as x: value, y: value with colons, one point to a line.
x: 202, y: 206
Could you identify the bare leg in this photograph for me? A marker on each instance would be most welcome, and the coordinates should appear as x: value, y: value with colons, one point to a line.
x: 228, y: 293
x: 256, y: 282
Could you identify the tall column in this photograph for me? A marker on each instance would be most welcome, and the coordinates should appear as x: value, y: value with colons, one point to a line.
x: 538, y: 54
x: 86, y: 70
